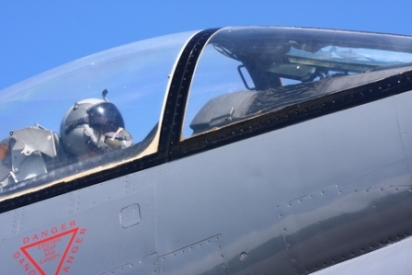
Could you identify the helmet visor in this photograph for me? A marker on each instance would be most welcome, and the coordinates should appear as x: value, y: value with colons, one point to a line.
x: 105, y: 115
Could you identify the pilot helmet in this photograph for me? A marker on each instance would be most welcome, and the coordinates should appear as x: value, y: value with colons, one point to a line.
x: 93, y: 125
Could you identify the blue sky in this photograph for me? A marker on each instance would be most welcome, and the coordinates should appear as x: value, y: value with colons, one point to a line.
x: 37, y: 35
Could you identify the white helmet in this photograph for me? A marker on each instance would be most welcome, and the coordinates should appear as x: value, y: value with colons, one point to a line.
x: 93, y: 125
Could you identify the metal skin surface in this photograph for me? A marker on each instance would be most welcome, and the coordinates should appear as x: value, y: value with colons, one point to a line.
x: 326, y: 192
x: 295, y: 200
x: 276, y: 212
x: 393, y: 259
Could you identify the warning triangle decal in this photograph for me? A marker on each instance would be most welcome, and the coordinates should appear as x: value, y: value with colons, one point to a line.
x: 48, y: 255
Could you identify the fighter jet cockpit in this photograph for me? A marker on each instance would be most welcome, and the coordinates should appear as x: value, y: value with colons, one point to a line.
x: 85, y: 115
x: 107, y: 109
x: 246, y: 72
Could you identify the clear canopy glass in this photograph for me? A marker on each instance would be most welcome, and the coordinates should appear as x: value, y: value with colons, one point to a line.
x: 134, y: 78
x: 247, y: 71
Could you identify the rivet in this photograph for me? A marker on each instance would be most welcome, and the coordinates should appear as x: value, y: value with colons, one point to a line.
x: 243, y: 256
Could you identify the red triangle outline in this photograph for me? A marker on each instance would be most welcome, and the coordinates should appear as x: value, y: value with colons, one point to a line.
x: 69, y: 244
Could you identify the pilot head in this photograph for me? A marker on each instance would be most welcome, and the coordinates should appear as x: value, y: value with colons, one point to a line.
x: 93, y: 126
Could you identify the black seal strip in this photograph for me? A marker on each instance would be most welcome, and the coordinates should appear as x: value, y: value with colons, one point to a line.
x: 176, y: 102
